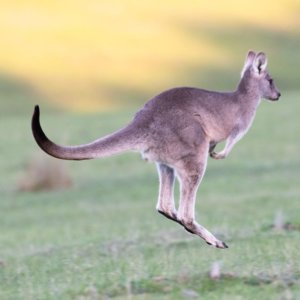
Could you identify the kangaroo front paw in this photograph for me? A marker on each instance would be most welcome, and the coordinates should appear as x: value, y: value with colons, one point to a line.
x: 216, y: 155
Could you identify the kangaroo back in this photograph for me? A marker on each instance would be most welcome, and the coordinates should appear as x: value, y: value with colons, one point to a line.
x: 123, y: 140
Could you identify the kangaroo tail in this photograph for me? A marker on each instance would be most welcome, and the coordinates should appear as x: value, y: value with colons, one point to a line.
x: 120, y: 141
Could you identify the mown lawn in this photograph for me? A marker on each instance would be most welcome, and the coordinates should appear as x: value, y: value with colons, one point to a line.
x: 102, y: 238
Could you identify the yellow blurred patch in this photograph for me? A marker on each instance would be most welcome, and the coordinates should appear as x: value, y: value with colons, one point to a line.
x: 73, y: 52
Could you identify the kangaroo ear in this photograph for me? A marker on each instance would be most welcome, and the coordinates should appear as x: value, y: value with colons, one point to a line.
x: 248, y: 62
x: 260, y: 63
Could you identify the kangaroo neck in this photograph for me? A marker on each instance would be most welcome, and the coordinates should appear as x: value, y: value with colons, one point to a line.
x: 248, y: 96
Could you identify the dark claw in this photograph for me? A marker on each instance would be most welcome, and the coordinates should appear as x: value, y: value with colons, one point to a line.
x: 224, y: 246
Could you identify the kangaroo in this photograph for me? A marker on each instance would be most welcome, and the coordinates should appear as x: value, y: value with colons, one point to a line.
x: 178, y: 129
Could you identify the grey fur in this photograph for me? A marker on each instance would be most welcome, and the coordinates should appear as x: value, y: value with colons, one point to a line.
x: 177, y: 130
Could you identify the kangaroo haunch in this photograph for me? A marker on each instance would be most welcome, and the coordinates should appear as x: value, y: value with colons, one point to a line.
x: 177, y: 130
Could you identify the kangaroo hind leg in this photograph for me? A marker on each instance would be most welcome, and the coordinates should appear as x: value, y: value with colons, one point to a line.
x: 165, y: 204
x: 190, y: 174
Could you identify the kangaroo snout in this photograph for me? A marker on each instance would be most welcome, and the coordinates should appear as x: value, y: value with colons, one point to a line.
x: 278, y: 95
x: 275, y: 95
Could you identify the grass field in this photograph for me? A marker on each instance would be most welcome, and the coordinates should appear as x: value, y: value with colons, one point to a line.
x: 103, y: 239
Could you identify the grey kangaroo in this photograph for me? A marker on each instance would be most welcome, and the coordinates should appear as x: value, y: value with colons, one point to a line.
x: 177, y: 130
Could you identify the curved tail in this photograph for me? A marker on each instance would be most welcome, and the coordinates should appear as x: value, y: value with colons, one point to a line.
x: 120, y: 141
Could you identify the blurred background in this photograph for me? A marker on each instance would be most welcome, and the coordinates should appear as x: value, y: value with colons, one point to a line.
x: 89, y: 230
x: 102, y: 55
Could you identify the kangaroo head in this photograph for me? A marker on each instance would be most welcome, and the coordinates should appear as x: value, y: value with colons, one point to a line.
x: 257, y: 77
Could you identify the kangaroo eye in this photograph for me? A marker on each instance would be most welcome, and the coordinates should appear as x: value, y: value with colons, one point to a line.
x: 271, y: 81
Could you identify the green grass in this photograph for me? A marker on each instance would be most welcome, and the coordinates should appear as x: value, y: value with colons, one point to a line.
x: 103, y: 238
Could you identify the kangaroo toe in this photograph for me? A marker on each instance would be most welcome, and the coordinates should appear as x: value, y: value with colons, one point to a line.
x: 218, y: 244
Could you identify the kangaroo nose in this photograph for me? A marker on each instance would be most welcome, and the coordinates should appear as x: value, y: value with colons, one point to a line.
x: 279, y: 94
